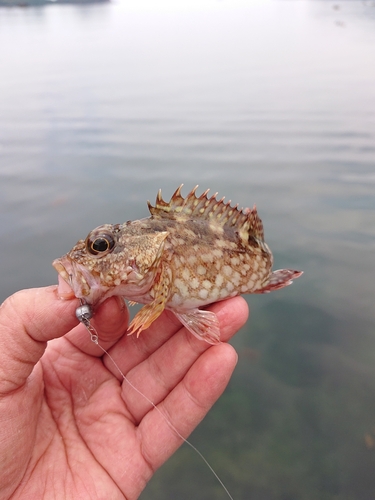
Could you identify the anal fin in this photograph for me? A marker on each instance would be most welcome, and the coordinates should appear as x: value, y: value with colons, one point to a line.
x: 279, y: 279
x: 202, y: 324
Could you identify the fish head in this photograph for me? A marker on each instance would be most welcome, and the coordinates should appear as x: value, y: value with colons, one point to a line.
x: 111, y: 261
x: 85, y: 267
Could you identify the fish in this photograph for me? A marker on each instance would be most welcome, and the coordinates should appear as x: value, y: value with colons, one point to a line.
x: 192, y: 251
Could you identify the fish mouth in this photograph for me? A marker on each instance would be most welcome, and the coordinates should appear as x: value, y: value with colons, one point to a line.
x: 61, y: 270
x: 82, y: 283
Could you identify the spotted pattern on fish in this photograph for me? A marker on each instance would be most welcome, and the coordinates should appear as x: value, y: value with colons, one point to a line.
x: 191, y: 252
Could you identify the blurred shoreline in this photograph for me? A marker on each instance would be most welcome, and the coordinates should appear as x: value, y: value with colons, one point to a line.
x: 37, y: 3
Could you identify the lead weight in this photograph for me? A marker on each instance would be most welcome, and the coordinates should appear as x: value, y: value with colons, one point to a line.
x: 84, y: 313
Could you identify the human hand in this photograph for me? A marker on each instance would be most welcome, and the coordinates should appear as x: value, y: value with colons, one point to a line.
x: 70, y: 426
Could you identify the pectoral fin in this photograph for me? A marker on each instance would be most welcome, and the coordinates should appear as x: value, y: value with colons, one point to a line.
x: 145, y: 317
x: 148, y: 314
x: 202, y: 324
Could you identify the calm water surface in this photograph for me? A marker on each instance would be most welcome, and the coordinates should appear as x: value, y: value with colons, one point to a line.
x: 268, y: 102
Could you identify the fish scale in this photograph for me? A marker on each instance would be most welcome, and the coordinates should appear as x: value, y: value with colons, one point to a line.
x: 191, y: 252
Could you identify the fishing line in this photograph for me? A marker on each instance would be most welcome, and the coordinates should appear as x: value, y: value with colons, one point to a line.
x: 84, y: 314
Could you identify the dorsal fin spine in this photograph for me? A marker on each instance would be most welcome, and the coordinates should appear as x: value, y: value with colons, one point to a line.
x: 246, y: 221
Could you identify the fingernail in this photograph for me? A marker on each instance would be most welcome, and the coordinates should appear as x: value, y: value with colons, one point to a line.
x: 64, y: 291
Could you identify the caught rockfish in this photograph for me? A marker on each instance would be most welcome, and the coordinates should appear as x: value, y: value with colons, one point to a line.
x: 191, y: 252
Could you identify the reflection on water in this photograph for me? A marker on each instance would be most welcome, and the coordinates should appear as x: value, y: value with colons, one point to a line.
x: 269, y: 103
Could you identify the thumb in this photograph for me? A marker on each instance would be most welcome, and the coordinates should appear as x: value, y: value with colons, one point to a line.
x: 28, y: 319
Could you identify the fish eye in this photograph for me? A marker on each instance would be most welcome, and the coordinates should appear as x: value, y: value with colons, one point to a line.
x: 100, y: 243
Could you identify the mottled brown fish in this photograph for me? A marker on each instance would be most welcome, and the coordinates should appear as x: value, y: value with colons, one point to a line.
x: 191, y: 252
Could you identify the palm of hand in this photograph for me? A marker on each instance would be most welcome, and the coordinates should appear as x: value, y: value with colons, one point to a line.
x: 83, y: 432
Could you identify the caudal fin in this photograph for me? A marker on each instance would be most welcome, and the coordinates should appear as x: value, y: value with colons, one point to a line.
x: 280, y: 279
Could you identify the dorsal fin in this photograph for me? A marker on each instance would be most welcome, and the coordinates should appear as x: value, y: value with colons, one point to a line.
x: 246, y: 221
